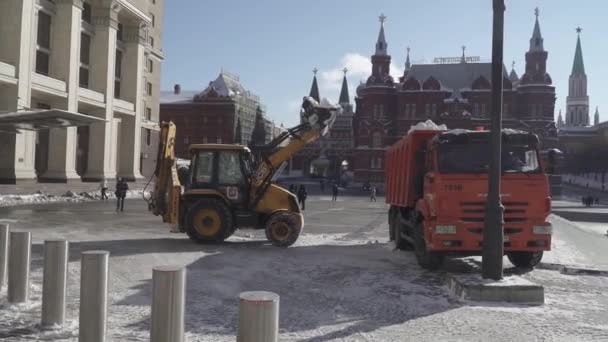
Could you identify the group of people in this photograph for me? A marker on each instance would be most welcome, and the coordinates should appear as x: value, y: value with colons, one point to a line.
x: 590, y: 200
x: 121, y: 192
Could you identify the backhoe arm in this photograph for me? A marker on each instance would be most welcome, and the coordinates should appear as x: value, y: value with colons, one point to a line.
x: 167, y: 189
x: 318, y: 119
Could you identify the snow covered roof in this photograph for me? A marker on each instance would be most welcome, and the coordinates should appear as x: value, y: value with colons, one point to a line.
x: 167, y: 97
x: 225, y: 85
x: 454, y: 76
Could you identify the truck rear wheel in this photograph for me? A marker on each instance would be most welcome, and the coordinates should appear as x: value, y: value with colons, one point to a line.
x: 525, y: 259
x: 282, y: 229
x: 427, y: 259
x: 209, y: 220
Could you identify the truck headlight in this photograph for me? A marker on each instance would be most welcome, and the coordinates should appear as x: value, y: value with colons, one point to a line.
x: 445, y: 229
x: 542, y: 230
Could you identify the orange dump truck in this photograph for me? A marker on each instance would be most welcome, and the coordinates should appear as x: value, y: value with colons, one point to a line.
x: 437, y: 184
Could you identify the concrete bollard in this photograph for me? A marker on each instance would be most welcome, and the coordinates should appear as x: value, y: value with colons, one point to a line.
x: 54, y: 281
x: 258, y: 317
x: 19, y: 267
x: 3, y: 253
x: 168, y: 301
x: 93, y: 296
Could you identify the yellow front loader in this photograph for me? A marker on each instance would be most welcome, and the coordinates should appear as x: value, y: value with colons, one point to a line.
x: 228, y: 187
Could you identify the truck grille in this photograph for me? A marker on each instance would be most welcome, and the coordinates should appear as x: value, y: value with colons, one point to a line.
x: 472, y: 212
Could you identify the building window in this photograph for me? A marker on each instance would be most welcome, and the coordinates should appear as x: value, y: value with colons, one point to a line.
x: 43, y: 49
x: 476, y: 108
x: 186, y: 140
x: 117, y: 74
x: 218, y: 140
x: 153, y: 19
x: 148, y: 137
x: 204, y: 140
x: 376, y: 139
x: 505, y: 109
x: 407, y: 110
x: 427, y: 109
x: 152, y: 41
x: 483, y: 109
x: 150, y: 65
x: 434, y: 109
x: 149, y: 114
x: 149, y: 88
x: 86, y: 13
x: 414, y: 114
x: 85, y: 59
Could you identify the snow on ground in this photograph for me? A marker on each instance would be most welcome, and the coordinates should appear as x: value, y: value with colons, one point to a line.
x: 69, y: 196
x: 346, y: 286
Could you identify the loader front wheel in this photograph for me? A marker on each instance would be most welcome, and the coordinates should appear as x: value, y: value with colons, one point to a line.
x: 209, y: 220
x: 283, y: 229
x: 427, y: 259
x: 525, y: 259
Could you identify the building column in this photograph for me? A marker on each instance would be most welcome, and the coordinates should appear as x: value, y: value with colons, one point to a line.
x: 61, y: 166
x: 102, y: 136
x: 133, y: 79
x: 17, y: 150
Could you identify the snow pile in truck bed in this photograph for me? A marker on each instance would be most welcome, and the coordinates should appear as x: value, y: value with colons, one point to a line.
x: 427, y: 125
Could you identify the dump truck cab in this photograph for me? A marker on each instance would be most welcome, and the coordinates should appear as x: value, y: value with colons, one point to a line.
x: 439, y: 204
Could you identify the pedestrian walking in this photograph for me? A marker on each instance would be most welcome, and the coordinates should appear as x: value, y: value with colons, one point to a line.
x: 104, y: 187
x: 597, y: 201
x: 302, y: 197
x: 372, y: 194
x: 121, y: 193
x: 334, y: 192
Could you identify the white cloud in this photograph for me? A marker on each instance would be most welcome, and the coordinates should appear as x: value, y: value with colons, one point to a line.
x: 359, y: 68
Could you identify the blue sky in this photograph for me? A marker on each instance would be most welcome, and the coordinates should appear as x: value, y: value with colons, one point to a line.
x: 274, y: 44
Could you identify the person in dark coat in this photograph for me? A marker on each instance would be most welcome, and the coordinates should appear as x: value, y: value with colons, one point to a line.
x: 302, y: 197
x: 334, y: 192
x: 121, y: 193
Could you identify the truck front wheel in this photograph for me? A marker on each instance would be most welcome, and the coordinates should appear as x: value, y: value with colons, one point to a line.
x: 427, y: 259
x: 209, y: 220
x: 283, y: 229
x: 525, y: 259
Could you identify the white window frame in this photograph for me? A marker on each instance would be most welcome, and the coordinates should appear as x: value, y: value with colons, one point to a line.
x: 47, y: 8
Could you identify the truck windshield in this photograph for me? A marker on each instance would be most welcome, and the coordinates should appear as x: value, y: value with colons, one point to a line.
x: 475, y: 158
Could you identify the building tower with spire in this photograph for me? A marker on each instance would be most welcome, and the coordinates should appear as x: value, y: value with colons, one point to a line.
x: 344, y: 99
x: 381, y: 60
x: 560, y: 120
x: 314, y: 88
x: 513, y: 75
x: 536, y: 94
x: 596, y: 117
x: 577, y: 102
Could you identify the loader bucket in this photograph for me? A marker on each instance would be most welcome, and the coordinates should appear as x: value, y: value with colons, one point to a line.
x: 319, y: 116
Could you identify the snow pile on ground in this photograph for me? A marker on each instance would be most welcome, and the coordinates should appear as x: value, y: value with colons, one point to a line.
x: 68, y: 196
x: 427, y: 125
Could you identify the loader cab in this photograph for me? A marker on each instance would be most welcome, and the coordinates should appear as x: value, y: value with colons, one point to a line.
x: 222, y: 168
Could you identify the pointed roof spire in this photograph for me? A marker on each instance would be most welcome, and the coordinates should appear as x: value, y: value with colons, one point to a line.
x: 513, y: 75
x: 344, y: 97
x: 314, y: 89
x: 560, y: 120
x: 536, y: 42
x: 463, y: 58
x: 578, y: 67
x: 596, y: 117
x: 381, y: 46
x: 408, y: 65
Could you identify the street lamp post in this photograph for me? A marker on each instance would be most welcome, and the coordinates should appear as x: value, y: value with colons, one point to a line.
x: 492, y: 249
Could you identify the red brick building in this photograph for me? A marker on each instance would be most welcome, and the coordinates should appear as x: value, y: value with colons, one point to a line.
x: 455, y: 92
x: 224, y: 112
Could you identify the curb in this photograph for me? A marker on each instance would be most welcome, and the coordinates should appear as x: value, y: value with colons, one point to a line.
x: 519, y: 291
x: 573, y: 270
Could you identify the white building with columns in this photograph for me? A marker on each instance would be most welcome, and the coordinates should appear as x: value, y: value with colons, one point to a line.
x: 99, y: 58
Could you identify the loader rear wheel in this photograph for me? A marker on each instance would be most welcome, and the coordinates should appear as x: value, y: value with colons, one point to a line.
x: 427, y: 259
x: 525, y: 259
x: 283, y: 229
x: 209, y: 220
